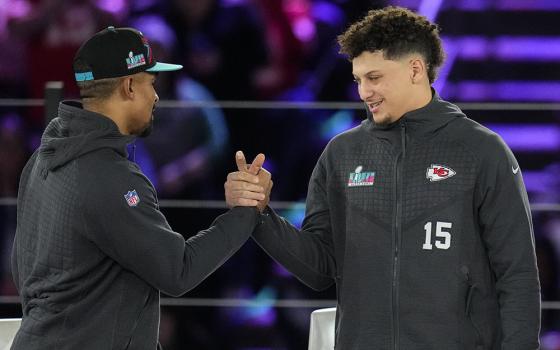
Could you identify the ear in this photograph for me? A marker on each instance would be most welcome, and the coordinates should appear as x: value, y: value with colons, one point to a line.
x: 417, y: 70
x: 127, y: 87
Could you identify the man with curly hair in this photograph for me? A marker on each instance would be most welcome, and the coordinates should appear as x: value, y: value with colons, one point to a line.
x: 419, y: 215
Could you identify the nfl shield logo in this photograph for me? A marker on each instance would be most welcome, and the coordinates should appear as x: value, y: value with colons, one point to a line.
x: 132, y: 198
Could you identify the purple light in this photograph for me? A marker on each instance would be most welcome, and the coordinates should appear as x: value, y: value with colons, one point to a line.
x: 411, y: 4
x: 328, y: 13
x: 156, y: 30
x: 304, y: 29
x: 17, y: 8
x: 528, y: 5
x: 538, y: 181
x: 114, y: 6
x: 11, y: 123
x: 510, y: 48
x: 518, y: 5
x: 263, y: 315
x: 430, y: 8
x: 280, y: 271
x: 473, y: 47
x: 542, y: 137
x: 232, y: 3
x: 471, y: 5
x: 505, y: 91
x: 141, y: 5
x: 452, y: 50
x: 528, y: 48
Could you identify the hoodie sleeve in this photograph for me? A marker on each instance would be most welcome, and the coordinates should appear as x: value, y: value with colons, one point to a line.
x: 307, y: 253
x: 135, y: 233
x: 505, y: 219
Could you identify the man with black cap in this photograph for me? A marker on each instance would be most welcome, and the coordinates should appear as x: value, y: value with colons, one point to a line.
x: 92, y: 250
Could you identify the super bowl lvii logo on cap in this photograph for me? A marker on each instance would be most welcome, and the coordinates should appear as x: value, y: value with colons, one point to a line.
x: 134, y: 61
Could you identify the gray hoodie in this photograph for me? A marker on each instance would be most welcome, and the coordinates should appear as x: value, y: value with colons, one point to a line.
x: 92, y: 249
x: 424, y: 226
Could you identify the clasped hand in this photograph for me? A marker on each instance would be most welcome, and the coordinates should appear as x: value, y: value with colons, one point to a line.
x: 250, y: 185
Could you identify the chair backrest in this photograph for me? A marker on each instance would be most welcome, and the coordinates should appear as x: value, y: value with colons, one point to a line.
x: 8, y: 330
x: 321, y: 329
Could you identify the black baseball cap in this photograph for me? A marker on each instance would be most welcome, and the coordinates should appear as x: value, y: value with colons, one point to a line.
x: 116, y: 52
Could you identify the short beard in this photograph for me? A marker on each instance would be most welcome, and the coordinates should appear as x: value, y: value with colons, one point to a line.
x: 383, y: 123
x: 145, y: 130
x: 148, y: 129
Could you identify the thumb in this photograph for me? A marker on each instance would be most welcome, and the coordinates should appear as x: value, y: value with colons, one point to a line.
x: 257, y: 164
x: 240, y: 161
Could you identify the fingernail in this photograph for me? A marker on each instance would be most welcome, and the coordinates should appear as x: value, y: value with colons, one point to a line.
x: 239, y: 154
x: 262, y: 196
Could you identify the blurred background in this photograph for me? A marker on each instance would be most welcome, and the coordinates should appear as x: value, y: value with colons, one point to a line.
x: 265, y: 76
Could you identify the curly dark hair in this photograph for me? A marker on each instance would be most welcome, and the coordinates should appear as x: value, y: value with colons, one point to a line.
x: 397, y: 32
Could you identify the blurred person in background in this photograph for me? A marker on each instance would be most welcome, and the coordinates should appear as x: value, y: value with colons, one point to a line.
x: 221, y: 45
x: 53, y: 30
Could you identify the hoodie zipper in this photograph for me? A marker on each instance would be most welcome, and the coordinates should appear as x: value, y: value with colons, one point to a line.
x: 397, y: 233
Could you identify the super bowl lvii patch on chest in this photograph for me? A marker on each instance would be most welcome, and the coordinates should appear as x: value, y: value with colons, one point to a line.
x: 361, y: 178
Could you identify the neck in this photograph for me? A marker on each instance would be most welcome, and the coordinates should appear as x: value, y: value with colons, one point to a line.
x: 111, y: 111
x: 423, y: 97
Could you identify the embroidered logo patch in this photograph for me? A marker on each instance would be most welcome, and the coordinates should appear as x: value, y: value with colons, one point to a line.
x: 132, y: 198
x: 148, y: 48
x: 134, y: 61
x: 438, y: 172
x: 359, y: 178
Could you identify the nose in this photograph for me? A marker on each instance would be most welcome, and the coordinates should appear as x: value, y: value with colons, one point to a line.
x: 365, y: 91
x: 157, y: 98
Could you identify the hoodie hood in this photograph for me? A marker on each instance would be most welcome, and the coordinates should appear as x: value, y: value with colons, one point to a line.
x: 76, y: 132
x: 426, y: 120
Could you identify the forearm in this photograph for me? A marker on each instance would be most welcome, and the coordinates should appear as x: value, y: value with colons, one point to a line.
x: 303, y: 253
x: 520, y: 313
x: 210, y: 248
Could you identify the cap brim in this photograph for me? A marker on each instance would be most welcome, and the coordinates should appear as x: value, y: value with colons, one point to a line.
x: 164, y: 67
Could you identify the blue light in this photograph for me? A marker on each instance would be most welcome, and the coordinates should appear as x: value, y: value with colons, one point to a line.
x: 295, y: 215
x: 337, y: 123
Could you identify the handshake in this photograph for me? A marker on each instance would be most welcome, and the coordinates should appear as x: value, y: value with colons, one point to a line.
x: 250, y: 185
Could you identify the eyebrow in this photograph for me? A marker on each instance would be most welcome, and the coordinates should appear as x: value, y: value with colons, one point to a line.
x: 370, y: 72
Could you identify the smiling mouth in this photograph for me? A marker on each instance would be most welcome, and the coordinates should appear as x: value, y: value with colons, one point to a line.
x: 374, y: 105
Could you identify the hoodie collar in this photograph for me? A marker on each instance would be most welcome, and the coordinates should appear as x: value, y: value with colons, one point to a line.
x: 76, y: 132
x: 436, y: 114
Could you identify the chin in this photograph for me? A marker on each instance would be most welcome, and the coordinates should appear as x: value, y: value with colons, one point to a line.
x: 147, y: 130
x: 382, y: 119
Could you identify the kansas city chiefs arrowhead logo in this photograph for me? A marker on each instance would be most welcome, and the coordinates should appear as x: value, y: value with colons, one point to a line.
x: 438, y: 172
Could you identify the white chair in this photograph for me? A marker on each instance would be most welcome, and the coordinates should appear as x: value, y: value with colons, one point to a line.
x: 8, y: 329
x: 321, y: 329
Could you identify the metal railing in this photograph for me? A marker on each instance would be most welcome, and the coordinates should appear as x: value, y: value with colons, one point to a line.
x: 54, y: 97
x: 469, y: 106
